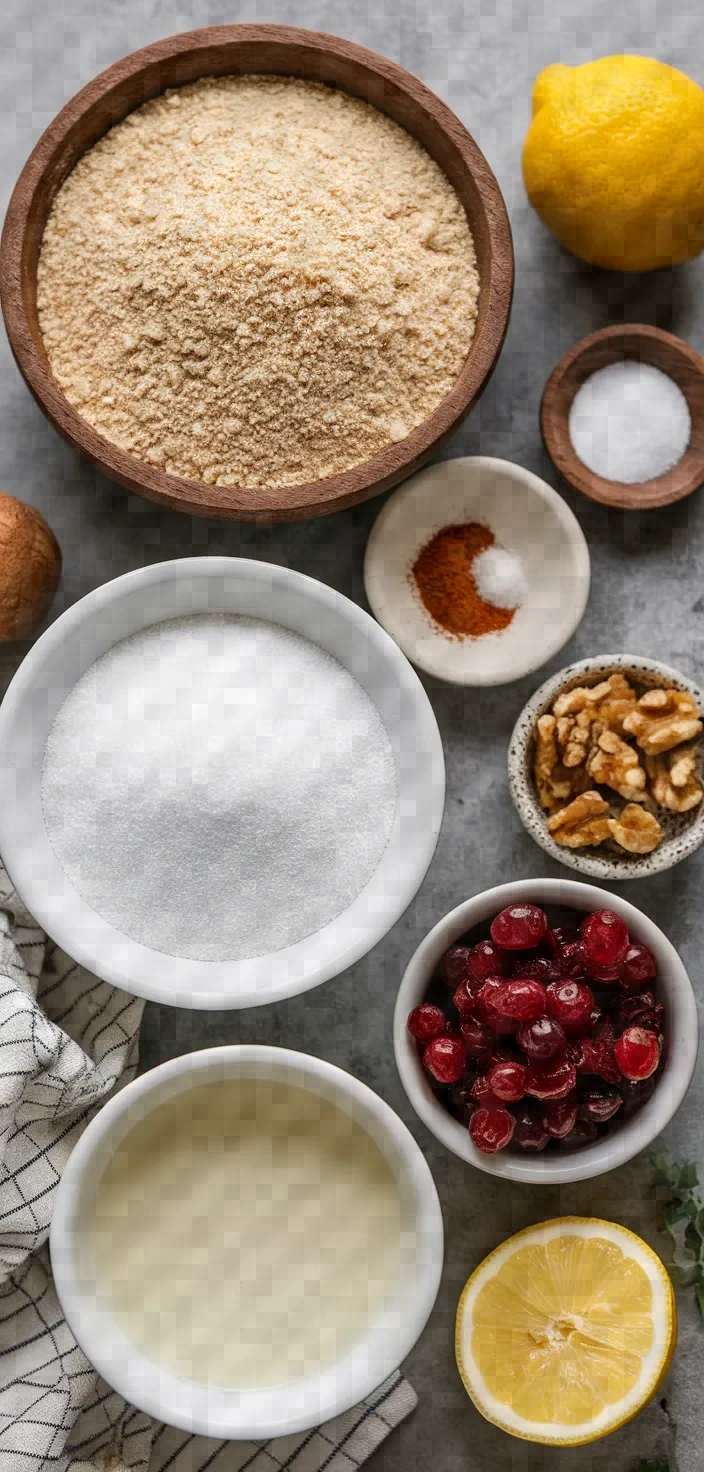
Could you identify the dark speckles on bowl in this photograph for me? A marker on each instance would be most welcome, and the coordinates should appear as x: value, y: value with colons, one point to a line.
x: 683, y: 832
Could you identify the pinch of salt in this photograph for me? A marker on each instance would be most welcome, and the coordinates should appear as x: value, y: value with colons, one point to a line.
x: 499, y: 577
x: 629, y: 422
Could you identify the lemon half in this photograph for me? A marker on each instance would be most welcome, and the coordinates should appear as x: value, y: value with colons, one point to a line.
x: 566, y: 1330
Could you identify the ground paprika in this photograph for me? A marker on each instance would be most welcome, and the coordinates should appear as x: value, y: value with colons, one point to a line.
x: 443, y: 576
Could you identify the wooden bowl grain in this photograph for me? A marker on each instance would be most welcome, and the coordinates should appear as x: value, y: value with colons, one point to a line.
x: 644, y: 344
x: 233, y: 50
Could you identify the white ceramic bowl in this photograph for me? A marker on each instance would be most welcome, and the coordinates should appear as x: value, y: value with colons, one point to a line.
x: 259, y: 590
x: 209, y: 1410
x: 527, y: 517
x: 624, y: 1140
x: 682, y: 832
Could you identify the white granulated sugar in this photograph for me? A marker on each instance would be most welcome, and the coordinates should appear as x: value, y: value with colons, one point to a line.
x: 218, y: 788
x: 629, y: 422
x: 499, y: 577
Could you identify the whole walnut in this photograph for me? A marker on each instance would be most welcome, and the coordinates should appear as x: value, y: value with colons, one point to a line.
x: 30, y: 568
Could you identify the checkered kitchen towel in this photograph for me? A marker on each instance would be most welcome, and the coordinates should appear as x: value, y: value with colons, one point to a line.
x: 66, y: 1042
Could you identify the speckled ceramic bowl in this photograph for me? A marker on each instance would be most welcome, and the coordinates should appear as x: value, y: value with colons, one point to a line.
x: 683, y: 832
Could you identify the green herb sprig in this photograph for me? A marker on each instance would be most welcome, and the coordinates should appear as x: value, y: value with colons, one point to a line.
x: 684, y: 1220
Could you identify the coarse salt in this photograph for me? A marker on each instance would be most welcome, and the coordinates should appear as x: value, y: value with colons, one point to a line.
x: 499, y: 577
x: 629, y: 422
x: 218, y: 788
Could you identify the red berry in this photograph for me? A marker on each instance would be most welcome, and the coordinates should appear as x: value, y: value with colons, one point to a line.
x: 522, y: 1001
x: 541, y: 1040
x: 455, y: 965
x: 482, y: 1092
x: 635, y: 1095
x: 559, y: 1116
x: 519, y: 927
x: 478, y: 1039
x: 426, y: 1022
x: 638, y: 967
x: 596, y: 1055
x: 600, y: 1105
x: 605, y: 940
x: 491, y: 1129
x: 637, y: 1053
x: 485, y: 960
x: 487, y: 1010
x: 507, y: 1081
x: 465, y: 998
x: 642, y: 1011
x: 571, y: 960
x: 446, y: 1058
x: 584, y: 1133
x: 551, y: 1080
x: 529, y: 1135
x: 571, y: 1004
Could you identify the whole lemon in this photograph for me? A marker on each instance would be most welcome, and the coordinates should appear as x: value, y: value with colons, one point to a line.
x: 613, y: 161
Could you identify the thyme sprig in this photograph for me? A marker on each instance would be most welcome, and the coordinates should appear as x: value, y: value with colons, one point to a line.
x: 684, y: 1220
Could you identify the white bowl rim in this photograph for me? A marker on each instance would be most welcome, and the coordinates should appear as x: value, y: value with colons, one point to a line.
x: 598, y: 866
x: 218, y: 1412
x: 573, y: 532
x: 609, y: 1151
x: 144, y: 972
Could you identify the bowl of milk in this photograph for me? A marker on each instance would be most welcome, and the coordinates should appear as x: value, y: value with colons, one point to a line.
x: 246, y: 1242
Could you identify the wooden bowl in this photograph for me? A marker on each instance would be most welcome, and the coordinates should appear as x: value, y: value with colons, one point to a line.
x: 233, y: 50
x: 612, y: 345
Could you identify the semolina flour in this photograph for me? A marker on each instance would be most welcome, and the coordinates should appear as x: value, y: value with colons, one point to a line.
x: 256, y: 281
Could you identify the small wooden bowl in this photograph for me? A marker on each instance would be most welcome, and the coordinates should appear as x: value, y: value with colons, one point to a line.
x: 612, y: 345
x: 233, y: 50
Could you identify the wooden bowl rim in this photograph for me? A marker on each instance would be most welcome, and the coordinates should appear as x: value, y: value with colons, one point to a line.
x: 568, y: 375
x: 320, y: 497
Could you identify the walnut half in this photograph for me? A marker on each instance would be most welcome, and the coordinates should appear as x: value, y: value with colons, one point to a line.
x: 584, y: 823
x: 616, y: 764
x: 663, y: 719
x: 635, y: 829
x: 674, y: 781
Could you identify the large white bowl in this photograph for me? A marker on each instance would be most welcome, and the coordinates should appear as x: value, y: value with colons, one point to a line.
x: 527, y: 517
x: 209, y: 1410
x: 625, y: 1139
x: 258, y: 590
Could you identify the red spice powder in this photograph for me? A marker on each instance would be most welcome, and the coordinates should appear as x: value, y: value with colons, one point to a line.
x: 443, y: 574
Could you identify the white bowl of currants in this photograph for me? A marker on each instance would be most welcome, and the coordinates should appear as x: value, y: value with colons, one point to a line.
x: 546, y: 1031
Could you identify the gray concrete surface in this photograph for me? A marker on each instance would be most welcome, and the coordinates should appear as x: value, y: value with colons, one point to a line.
x: 646, y: 598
